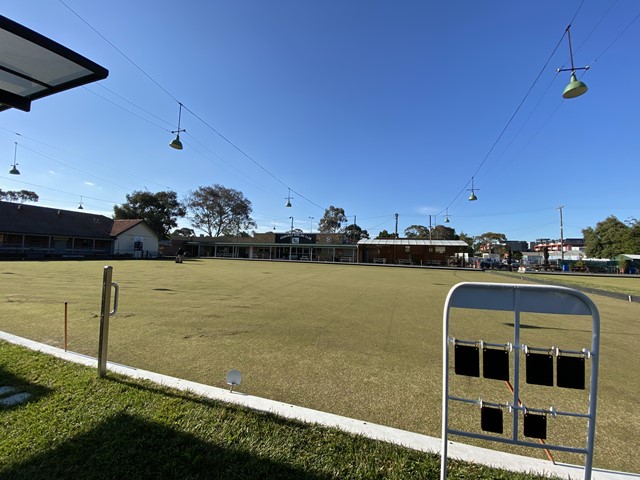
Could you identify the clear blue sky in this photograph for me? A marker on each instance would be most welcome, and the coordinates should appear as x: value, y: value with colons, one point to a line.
x: 378, y: 107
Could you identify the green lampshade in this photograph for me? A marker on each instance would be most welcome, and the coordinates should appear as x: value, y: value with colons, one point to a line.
x: 472, y: 197
x: 288, y: 204
x: 176, y: 143
x: 575, y: 88
x: 14, y: 171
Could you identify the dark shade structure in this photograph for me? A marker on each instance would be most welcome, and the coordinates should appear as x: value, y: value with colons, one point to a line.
x: 33, y: 66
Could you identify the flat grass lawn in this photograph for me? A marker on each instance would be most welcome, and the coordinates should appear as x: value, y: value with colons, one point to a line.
x: 626, y: 284
x: 78, y: 426
x: 360, y: 341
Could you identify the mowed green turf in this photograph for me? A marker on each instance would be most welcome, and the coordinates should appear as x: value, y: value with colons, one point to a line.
x: 360, y: 341
x: 625, y: 284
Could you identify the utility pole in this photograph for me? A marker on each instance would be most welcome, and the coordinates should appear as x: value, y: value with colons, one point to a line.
x: 291, y: 239
x: 396, y: 225
x: 561, y: 234
x: 353, y: 233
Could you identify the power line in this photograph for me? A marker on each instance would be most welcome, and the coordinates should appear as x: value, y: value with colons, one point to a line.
x: 26, y: 147
x: 509, y: 121
x: 59, y: 191
x: 514, y: 113
x: 185, y: 107
x: 119, y: 51
x: 126, y: 109
x: 129, y: 111
x: 617, y: 38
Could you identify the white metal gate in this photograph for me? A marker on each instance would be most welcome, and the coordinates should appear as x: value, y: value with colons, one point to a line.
x: 502, y: 362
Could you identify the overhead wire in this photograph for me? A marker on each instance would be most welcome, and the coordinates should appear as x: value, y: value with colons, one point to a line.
x: 550, y: 83
x: 504, y: 129
x: 513, y: 115
x: 252, y: 182
x: 58, y: 190
x: 66, y: 152
x: 125, y: 109
x: 207, y: 124
x: 617, y: 38
x: 478, y: 169
x: 101, y: 85
x: 119, y: 51
x: 240, y: 175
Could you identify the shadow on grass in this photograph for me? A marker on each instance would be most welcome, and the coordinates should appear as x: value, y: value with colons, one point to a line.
x: 537, y: 327
x: 147, y: 386
x: 126, y: 446
x: 19, y: 386
x: 208, y: 402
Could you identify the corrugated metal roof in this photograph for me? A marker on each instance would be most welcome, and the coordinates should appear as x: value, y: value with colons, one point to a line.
x: 412, y: 241
x: 36, y: 220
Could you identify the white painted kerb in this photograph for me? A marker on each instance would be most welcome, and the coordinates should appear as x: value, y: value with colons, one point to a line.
x: 374, y: 431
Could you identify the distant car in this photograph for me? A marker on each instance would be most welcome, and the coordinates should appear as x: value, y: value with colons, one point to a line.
x: 490, y: 264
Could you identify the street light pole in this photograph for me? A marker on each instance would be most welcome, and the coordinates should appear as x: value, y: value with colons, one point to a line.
x: 396, y: 226
x: 353, y: 232
x: 291, y: 244
x: 430, y: 229
x: 561, y: 234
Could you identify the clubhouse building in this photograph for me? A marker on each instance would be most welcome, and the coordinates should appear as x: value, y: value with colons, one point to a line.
x: 324, y: 247
x: 33, y: 232
x: 313, y: 247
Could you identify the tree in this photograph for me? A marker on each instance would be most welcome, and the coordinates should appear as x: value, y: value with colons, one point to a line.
x: 19, y: 195
x: 160, y: 210
x: 416, y: 231
x: 440, y: 232
x: 466, y: 238
x: 218, y: 210
x: 610, y: 238
x: 184, y: 232
x: 354, y: 233
x: 490, y: 239
x: 332, y: 220
x: 634, y: 233
x: 385, y: 234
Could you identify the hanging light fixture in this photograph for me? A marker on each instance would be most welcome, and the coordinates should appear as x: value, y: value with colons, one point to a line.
x: 472, y: 197
x: 446, y: 216
x: 80, y: 207
x: 14, y: 170
x: 575, y: 88
x: 288, y: 199
x: 176, y: 143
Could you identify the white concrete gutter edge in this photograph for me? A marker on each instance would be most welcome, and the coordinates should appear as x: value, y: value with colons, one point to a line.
x: 415, y: 441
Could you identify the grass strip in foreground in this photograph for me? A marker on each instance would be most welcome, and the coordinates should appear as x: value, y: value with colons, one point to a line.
x: 75, y: 425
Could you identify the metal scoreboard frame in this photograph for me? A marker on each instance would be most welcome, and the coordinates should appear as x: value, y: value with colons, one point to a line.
x: 518, y: 299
